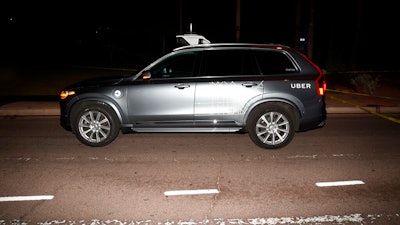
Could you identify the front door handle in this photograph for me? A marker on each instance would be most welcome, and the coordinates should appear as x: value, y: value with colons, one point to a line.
x: 182, y: 86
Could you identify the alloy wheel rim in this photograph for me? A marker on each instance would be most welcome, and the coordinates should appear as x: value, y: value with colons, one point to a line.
x: 94, y: 126
x: 272, y: 128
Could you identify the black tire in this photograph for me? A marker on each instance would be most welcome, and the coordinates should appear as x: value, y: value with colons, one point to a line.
x: 272, y: 125
x: 95, y: 124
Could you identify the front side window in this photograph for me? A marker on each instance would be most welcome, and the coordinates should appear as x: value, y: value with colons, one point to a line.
x: 175, y: 66
x: 229, y: 62
x: 274, y: 62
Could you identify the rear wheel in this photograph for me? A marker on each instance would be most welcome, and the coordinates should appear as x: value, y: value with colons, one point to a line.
x: 272, y: 125
x: 95, y: 124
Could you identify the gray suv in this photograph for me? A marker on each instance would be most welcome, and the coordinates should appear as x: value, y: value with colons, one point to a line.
x: 267, y: 91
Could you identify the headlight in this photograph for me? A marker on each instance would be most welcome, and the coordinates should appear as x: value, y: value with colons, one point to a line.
x: 65, y: 94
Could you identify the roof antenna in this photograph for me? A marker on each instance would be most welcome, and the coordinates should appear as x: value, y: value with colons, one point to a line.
x: 190, y: 28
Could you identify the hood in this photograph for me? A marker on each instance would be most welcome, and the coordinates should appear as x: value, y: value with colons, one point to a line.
x: 96, y: 82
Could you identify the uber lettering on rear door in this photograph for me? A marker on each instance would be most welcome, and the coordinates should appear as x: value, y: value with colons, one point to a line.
x: 300, y: 85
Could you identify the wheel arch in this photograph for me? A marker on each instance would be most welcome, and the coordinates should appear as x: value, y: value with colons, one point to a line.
x: 296, y: 106
x: 108, y: 102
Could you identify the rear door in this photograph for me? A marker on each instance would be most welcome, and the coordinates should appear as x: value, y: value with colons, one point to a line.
x: 228, y: 84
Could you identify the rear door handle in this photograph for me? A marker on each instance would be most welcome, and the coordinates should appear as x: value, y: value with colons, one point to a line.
x: 249, y: 84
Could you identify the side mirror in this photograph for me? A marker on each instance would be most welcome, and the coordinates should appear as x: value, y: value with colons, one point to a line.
x: 146, y: 75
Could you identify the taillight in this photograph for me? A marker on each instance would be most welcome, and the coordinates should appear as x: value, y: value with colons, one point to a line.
x: 320, y: 82
x: 321, y: 86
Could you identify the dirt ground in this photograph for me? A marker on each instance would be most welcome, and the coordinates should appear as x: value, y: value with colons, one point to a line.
x: 385, y: 92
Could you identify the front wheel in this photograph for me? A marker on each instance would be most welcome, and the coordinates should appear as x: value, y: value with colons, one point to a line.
x: 271, y: 125
x: 95, y: 124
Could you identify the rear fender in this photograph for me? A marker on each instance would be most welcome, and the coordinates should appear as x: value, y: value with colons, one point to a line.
x: 290, y: 100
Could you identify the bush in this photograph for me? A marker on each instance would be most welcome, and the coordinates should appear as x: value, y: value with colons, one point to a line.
x: 365, y: 83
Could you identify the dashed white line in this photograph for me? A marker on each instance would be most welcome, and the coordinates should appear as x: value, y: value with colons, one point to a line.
x: 191, y: 192
x: 26, y: 198
x: 339, y: 183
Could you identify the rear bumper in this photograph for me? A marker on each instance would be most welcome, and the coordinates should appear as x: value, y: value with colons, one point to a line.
x: 315, y: 117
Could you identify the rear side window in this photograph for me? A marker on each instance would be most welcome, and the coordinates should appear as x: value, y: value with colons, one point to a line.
x: 229, y: 62
x: 274, y: 62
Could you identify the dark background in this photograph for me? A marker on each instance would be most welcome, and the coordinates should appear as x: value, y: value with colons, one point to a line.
x: 347, y: 35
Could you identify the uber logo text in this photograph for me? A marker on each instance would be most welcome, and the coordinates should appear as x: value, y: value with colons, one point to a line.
x: 300, y: 85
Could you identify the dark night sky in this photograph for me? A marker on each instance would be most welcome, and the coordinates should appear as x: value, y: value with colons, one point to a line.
x: 349, y: 34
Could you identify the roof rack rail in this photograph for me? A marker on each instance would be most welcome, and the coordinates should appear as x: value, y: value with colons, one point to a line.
x: 271, y: 45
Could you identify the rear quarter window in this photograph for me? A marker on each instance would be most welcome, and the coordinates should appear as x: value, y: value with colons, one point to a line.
x: 274, y: 62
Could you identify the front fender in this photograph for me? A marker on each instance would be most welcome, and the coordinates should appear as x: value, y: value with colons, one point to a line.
x: 119, y: 109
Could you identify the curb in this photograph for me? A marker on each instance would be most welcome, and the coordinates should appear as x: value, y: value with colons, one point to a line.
x: 377, y: 109
x: 30, y: 108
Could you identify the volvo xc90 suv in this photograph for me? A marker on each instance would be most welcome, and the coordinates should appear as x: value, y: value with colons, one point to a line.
x: 267, y: 91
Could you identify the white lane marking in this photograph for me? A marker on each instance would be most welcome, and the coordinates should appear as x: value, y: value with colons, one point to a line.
x: 339, y: 183
x: 192, y: 192
x: 26, y: 198
x: 355, y: 218
x: 303, y: 156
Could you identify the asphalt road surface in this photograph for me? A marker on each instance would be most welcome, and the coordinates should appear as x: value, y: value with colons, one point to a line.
x: 344, y: 173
